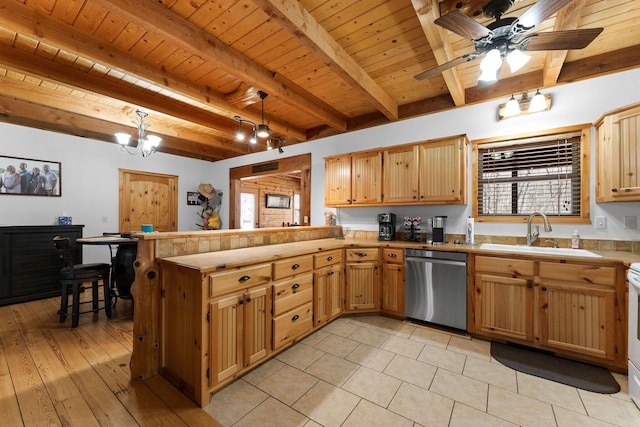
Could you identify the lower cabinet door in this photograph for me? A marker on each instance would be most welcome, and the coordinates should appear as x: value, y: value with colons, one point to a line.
x: 257, y: 325
x: 225, y: 339
x: 393, y: 289
x: 363, y: 287
x: 292, y: 324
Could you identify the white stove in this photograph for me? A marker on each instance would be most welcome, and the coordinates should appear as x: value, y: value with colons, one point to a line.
x: 634, y: 332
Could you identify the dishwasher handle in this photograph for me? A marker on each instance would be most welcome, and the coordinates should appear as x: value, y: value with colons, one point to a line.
x: 435, y: 261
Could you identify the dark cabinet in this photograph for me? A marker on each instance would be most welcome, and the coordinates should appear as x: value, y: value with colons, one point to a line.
x: 30, y: 261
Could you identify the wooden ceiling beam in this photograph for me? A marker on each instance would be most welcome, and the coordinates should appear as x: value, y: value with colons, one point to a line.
x: 158, y: 19
x: 427, y: 11
x: 45, y: 29
x: 292, y: 16
x: 568, y: 18
x: 598, y: 65
x: 31, y: 114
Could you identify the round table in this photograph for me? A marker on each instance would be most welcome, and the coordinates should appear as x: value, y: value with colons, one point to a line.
x: 122, y: 272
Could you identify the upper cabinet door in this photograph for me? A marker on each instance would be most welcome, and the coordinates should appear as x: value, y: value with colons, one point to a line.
x: 400, y: 174
x: 443, y: 171
x: 366, y: 178
x: 618, y: 162
x: 337, y: 187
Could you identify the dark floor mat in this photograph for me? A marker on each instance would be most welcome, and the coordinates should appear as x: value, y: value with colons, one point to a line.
x: 544, y: 365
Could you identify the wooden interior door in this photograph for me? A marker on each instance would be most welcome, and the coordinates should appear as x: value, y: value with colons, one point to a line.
x: 148, y: 198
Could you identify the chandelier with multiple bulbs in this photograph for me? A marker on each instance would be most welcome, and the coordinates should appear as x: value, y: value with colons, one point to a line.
x: 146, y: 144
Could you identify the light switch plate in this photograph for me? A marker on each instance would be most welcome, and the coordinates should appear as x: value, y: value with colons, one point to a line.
x: 630, y: 222
x: 601, y: 222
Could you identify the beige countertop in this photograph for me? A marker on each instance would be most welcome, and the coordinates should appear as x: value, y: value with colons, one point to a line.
x: 213, y: 261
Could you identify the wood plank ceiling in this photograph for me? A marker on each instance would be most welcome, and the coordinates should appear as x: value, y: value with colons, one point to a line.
x: 84, y: 67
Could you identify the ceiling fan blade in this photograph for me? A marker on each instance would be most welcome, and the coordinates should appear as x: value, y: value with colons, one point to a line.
x: 562, y: 40
x: 541, y: 11
x: 460, y: 23
x: 440, y: 68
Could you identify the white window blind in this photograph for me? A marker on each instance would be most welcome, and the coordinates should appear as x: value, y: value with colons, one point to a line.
x: 537, y: 175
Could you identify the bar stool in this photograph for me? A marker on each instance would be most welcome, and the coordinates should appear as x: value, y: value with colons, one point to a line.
x: 74, y: 276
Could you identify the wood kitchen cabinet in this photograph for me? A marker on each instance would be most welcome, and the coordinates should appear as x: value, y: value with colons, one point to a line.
x: 572, y: 308
x: 503, y: 292
x: 240, y: 331
x: 578, y: 309
x: 362, y: 277
x: 618, y: 156
x: 400, y: 174
x: 292, y: 299
x: 393, y: 282
x: 328, y: 286
x: 429, y: 172
x: 443, y: 171
x: 353, y: 179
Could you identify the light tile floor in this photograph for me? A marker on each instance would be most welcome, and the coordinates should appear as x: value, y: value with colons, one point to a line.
x: 375, y: 371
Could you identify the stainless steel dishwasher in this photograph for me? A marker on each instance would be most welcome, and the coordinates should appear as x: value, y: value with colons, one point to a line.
x: 436, y: 287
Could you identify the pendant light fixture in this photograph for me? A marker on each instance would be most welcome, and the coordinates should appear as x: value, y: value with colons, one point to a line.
x: 146, y: 144
x: 261, y: 130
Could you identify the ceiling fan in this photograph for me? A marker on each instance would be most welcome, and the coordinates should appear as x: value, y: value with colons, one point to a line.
x: 506, y: 38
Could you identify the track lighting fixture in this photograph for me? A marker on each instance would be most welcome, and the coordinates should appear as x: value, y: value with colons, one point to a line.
x: 261, y: 130
x: 525, y: 105
x: 146, y: 144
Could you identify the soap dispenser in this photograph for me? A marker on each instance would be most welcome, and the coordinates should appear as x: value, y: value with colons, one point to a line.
x: 575, y: 240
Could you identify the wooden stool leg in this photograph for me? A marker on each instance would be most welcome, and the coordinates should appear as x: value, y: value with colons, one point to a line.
x: 75, y: 305
x: 107, y: 297
x: 94, y: 295
x: 64, y: 302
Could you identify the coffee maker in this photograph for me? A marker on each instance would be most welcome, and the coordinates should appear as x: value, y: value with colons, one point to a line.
x: 386, y: 226
x: 439, y: 232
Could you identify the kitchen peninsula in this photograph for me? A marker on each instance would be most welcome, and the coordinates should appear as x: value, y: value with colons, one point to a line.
x: 206, y: 273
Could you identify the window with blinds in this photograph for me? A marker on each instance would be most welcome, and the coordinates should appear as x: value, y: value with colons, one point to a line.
x: 533, y: 175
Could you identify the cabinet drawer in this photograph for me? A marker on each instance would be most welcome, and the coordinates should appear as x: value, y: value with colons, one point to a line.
x: 578, y: 273
x: 511, y: 267
x: 395, y: 256
x: 229, y: 281
x: 290, y: 266
x: 362, y: 254
x: 292, y: 324
x: 327, y: 258
x: 291, y: 293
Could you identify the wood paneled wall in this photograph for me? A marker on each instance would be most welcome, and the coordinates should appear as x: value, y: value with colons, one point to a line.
x: 277, y: 184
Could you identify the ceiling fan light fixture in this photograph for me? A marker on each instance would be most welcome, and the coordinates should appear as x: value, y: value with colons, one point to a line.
x: 123, y: 138
x: 490, y: 66
x: 512, y: 108
x: 516, y: 60
x: 538, y: 103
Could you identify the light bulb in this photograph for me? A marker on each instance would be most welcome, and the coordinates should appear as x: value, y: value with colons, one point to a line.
x: 263, y: 131
x: 511, y: 108
x: 154, y: 140
x: 538, y: 103
x: 123, y: 138
x: 240, y: 135
x: 253, y: 139
x: 490, y: 66
x: 516, y: 60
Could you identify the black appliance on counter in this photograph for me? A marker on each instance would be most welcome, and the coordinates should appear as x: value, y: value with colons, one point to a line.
x: 386, y: 226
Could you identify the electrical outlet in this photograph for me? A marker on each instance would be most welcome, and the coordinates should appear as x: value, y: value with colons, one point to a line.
x: 601, y: 222
x: 630, y: 222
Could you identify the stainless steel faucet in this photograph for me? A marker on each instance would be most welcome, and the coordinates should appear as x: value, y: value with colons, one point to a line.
x: 532, y: 237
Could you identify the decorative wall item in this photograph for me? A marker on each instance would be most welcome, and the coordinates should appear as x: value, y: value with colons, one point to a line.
x: 193, y: 198
x: 30, y: 177
x: 278, y: 201
x: 210, y: 200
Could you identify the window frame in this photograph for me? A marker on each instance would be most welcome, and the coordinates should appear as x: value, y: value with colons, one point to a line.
x: 585, y: 172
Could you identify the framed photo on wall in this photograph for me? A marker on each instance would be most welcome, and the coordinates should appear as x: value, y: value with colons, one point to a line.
x: 30, y: 177
x: 278, y: 201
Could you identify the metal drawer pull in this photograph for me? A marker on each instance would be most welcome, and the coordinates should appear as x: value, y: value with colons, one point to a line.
x: 294, y: 318
x: 249, y: 299
x: 244, y: 279
x: 393, y: 255
x: 296, y: 286
x: 362, y: 254
x: 295, y: 266
x: 329, y: 258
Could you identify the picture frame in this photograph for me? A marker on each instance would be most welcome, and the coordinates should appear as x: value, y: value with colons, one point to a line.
x: 21, y: 176
x: 193, y: 198
x: 278, y: 201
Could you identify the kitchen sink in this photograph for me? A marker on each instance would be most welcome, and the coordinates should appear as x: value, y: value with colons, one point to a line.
x: 533, y: 250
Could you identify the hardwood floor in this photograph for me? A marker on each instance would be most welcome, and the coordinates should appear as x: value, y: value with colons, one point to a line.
x: 51, y: 374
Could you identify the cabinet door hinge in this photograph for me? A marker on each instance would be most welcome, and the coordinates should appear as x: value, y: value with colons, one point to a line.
x: 616, y: 349
x: 208, y: 372
x: 208, y: 317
